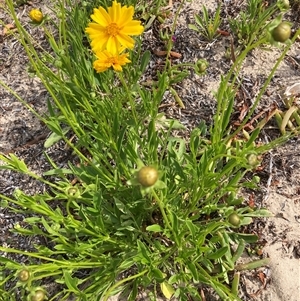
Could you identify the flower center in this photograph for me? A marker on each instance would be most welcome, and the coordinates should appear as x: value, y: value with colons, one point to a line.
x: 112, y: 29
x: 112, y: 60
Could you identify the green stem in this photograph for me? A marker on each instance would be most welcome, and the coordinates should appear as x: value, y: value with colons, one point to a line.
x: 131, y: 102
x: 62, y: 264
x: 107, y: 295
x: 165, y: 217
x: 161, y: 207
x: 170, y: 42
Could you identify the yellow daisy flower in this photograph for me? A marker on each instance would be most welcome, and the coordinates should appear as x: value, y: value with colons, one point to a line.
x: 113, y: 28
x: 105, y: 60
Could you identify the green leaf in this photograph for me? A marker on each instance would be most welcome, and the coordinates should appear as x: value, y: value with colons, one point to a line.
x: 246, y: 221
x: 175, y: 278
x: 193, y: 270
x: 235, y: 283
x: 248, y: 238
x: 154, y: 228
x: 167, y: 290
x: 58, y: 171
x: 193, y: 27
x: 5, y: 260
x: 127, y: 263
x: 239, y: 251
x: 48, y: 228
x: 174, y: 221
x: 253, y: 136
x: 252, y: 265
x: 70, y: 282
x: 191, y: 227
x: 158, y: 275
x: 145, y: 60
x: 54, y: 137
x: 143, y: 253
x: 259, y: 213
x: 3, y: 204
x: 14, y: 163
x: 218, y: 254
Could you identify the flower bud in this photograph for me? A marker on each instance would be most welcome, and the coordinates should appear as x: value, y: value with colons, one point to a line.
x: 201, y: 66
x: 253, y: 160
x: 24, y: 275
x: 234, y: 219
x: 39, y: 295
x: 147, y: 176
x: 73, y: 192
x: 282, y: 32
x: 36, y: 16
x: 285, y: 4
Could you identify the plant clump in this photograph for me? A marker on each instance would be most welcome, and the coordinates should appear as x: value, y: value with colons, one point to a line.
x: 136, y: 204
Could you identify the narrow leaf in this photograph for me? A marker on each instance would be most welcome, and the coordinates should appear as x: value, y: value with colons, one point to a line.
x: 154, y: 228
x: 252, y: 265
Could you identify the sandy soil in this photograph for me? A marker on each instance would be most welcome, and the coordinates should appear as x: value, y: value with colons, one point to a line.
x: 23, y: 134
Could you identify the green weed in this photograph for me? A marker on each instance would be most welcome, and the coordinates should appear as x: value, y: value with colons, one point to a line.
x: 250, y: 25
x: 207, y: 25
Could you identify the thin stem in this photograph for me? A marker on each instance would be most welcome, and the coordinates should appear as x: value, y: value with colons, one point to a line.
x: 165, y: 217
x: 132, y: 104
x: 161, y: 207
x: 107, y: 295
x: 170, y: 42
x: 61, y: 264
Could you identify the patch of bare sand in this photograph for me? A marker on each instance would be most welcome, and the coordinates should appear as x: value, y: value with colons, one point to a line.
x: 282, y: 230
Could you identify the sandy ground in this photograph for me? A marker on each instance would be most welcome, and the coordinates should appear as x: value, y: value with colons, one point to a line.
x: 280, y: 192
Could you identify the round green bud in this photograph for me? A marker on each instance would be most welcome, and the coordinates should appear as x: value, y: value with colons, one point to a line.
x: 24, y: 275
x: 234, y: 219
x: 147, y: 176
x: 282, y: 32
x: 285, y: 4
x: 39, y: 295
x: 253, y: 160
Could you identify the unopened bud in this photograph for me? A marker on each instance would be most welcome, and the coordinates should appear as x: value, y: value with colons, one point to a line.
x: 36, y: 16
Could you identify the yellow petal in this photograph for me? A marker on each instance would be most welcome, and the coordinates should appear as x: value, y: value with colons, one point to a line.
x: 95, y: 29
x: 98, y: 45
x: 117, y: 67
x: 115, y: 11
x: 123, y: 60
x: 113, y: 45
x: 125, y: 41
x: 99, y: 66
x: 132, y: 28
x: 126, y: 15
x: 101, y: 16
x: 101, y: 55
